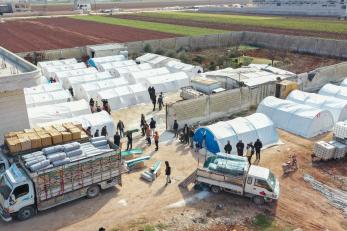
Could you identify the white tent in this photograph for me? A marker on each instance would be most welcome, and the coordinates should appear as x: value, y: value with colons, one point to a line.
x: 75, y: 81
x: 62, y: 75
x: 169, y: 82
x: 53, y: 63
x: 248, y: 129
x: 297, y: 118
x: 114, y: 65
x: 59, y: 111
x: 51, y: 70
x: 141, y: 76
x: 337, y: 107
x: 90, y: 90
x: 175, y: 66
x: 96, y: 62
x: 125, y: 71
x: 334, y: 90
x: 47, y: 98
x: 43, y: 88
x: 96, y: 121
x: 124, y: 96
x: 155, y: 60
x: 344, y: 83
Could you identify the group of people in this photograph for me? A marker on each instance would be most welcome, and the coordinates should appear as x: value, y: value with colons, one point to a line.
x: 149, y: 130
x: 153, y: 97
x: 250, y: 149
x: 94, y: 107
x: 97, y: 132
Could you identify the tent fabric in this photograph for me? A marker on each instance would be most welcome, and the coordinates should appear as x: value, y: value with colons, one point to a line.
x: 175, y: 66
x: 61, y: 76
x: 49, y: 72
x: 90, y: 90
x: 59, y: 111
x: 96, y: 121
x: 296, y: 118
x: 114, y: 65
x: 337, y: 107
x: 168, y: 83
x: 334, y: 91
x: 43, y: 88
x: 141, y: 76
x: 87, y: 78
x: 155, y: 60
x: 248, y: 129
x: 125, y: 71
x: 44, y: 64
x: 48, y: 98
x: 344, y: 83
x: 96, y: 62
x: 124, y: 96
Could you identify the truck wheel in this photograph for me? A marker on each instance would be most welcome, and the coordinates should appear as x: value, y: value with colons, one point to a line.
x: 258, y: 200
x: 215, y: 189
x: 93, y: 191
x: 25, y: 213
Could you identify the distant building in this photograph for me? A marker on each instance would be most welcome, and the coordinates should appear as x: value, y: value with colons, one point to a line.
x: 11, y: 6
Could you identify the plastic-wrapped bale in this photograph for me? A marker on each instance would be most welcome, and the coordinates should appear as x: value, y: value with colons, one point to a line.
x: 35, y: 160
x: 71, y: 147
x: 100, y: 143
x: 39, y: 165
x: 61, y: 162
x: 147, y: 176
x: 74, y: 153
x: 324, y: 150
x: 95, y: 139
x: 53, y: 149
x: 56, y: 156
x: 31, y: 155
x: 340, y: 149
x: 340, y: 130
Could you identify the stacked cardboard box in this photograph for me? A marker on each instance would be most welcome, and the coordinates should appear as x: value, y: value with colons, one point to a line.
x: 324, y: 150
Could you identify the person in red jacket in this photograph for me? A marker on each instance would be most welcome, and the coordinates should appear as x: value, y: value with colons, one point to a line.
x: 156, y: 140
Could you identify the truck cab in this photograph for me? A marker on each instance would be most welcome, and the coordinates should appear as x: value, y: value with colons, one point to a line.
x: 261, y: 185
x: 4, y: 164
x: 17, y: 195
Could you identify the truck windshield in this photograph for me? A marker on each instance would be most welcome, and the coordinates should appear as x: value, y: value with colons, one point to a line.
x: 5, y: 189
x: 271, y: 180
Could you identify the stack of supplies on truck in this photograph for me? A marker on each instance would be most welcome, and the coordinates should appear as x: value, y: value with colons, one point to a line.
x: 340, y: 132
x: 38, y: 138
x: 340, y: 149
x: 323, y: 150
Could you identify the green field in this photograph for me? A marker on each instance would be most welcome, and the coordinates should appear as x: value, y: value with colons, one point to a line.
x: 160, y: 27
x: 308, y: 24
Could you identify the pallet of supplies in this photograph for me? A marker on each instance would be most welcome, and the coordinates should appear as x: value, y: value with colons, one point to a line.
x: 13, y: 144
x: 340, y: 149
x: 340, y: 130
x: 323, y: 150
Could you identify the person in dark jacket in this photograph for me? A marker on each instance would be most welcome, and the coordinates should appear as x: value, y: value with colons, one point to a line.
x: 130, y: 141
x: 104, y: 131
x: 160, y: 101
x: 228, y: 148
x: 175, y: 128
x: 116, y: 139
x: 154, y: 101
x: 186, y: 134
x: 152, y: 126
x: 258, y: 146
x: 120, y: 128
x: 167, y: 172
x: 91, y: 102
x: 89, y: 132
x: 249, y: 152
x: 191, y: 137
x: 96, y: 134
x: 142, y: 124
x: 239, y: 147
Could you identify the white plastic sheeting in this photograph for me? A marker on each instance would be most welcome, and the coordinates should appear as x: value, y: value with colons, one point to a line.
x: 61, y: 76
x: 96, y: 121
x: 175, y: 66
x: 125, y: 96
x: 155, y: 60
x: 141, y: 76
x: 168, y: 83
x: 48, y: 98
x: 53, y: 63
x: 336, y: 106
x: 114, y: 65
x: 125, y: 71
x: 51, y: 70
x: 43, y: 88
x: 248, y: 129
x: 59, y: 111
x: 344, y: 83
x: 90, y: 90
x: 77, y: 80
x: 334, y: 91
x: 297, y: 118
x: 96, y: 62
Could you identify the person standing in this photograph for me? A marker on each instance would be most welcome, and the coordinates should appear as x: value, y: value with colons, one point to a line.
x: 89, y: 131
x: 120, y: 128
x: 154, y: 101
x: 228, y: 148
x: 142, y: 124
x: 96, y: 134
x: 150, y: 92
x: 152, y: 126
x: 186, y: 134
x: 104, y: 131
x: 175, y: 128
x: 156, y: 140
x: 249, y: 152
x: 130, y: 141
x: 160, y: 101
x: 191, y: 137
x: 116, y: 139
x: 258, y: 146
x: 240, y: 146
x: 167, y: 172
x: 148, y: 135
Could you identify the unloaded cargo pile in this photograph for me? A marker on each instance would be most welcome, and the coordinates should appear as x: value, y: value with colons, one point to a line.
x: 41, y: 137
x: 63, y: 154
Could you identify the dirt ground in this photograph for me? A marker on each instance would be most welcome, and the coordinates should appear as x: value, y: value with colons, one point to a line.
x: 59, y: 33
x: 229, y: 27
x: 138, y: 203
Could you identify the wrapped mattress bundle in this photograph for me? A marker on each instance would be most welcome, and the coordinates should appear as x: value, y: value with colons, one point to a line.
x: 95, y: 139
x: 39, y: 166
x: 74, y: 153
x: 34, y: 160
x: 56, y: 156
x: 61, y: 162
x: 53, y: 149
x: 32, y: 155
x: 100, y: 143
x: 71, y: 147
